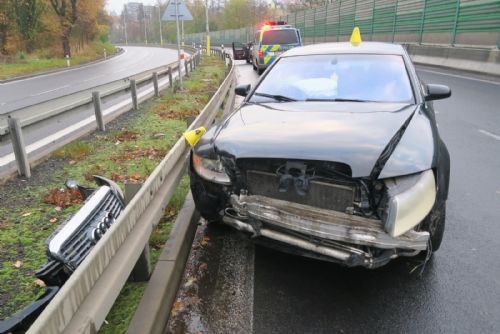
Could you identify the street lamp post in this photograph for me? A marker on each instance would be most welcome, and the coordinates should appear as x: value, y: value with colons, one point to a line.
x: 178, y: 41
x: 125, y: 23
x: 159, y: 20
x: 145, y: 27
x: 208, y: 29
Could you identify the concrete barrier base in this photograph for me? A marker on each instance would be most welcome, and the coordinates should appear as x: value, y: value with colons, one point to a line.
x: 484, y: 61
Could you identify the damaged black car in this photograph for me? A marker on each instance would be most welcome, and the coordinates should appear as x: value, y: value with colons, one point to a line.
x: 335, y: 154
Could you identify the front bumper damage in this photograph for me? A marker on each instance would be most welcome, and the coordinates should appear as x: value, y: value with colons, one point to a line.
x: 340, y: 237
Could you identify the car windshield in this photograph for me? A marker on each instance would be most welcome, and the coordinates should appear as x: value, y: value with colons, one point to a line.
x: 347, y: 77
x: 286, y: 36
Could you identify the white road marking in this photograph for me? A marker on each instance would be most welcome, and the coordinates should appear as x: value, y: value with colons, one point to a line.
x: 460, y: 76
x: 93, y: 78
x: 66, y: 71
x: 50, y: 91
x: 489, y: 134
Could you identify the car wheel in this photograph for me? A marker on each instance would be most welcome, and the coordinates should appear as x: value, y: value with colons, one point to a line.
x: 434, y: 224
x: 260, y: 70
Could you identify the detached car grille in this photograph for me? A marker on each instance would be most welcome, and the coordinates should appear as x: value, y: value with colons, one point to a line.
x: 68, y: 246
x: 320, y: 194
x: 76, y: 247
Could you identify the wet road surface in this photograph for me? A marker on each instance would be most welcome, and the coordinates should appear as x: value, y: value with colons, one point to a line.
x: 458, y: 290
x: 25, y: 92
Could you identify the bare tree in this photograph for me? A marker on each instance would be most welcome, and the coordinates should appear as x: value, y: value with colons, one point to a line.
x: 67, y: 19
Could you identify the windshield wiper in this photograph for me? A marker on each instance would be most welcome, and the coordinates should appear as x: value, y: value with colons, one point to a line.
x: 340, y: 100
x: 280, y: 98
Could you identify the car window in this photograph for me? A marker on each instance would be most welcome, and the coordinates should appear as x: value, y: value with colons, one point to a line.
x: 378, y: 78
x: 286, y: 36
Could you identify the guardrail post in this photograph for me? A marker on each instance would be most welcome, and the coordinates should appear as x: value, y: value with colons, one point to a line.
x: 170, y: 80
x: 133, y: 91
x: 191, y: 65
x: 96, y: 98
x: 155, y: 84
x: 142, y: 269
x: 186, y: 68
x: 16, y: 135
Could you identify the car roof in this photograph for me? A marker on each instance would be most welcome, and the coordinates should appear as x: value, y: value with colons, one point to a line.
x: 346, y: 47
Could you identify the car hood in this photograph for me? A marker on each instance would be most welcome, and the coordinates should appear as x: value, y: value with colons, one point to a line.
x: 327, y: 131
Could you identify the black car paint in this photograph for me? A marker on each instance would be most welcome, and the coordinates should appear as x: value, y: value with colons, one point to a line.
x: 313, y: 131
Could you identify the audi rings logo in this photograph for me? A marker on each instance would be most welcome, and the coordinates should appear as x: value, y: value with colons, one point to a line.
x: 102, y: 226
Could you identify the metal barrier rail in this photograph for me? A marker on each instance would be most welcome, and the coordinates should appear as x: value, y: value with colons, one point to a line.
x: 447, y: 22
x: 46, y: 109
x: 16, y: 120
x: 85, y: 299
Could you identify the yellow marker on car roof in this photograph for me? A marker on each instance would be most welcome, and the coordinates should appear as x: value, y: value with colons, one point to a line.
x: 193, y: 136
x: 355, y: 37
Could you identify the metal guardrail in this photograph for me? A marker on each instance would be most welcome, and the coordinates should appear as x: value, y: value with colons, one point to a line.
x: 84, y: 301
x: 46, y: 109
x: 447, y: 22
x: 13, y: 122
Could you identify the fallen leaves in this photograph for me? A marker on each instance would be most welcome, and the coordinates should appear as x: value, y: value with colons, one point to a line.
x: 177, y: 114
x: 127, y: 136
x: 39, y: 283
x: 181, y: 305
x: 135, y: 178
x: 63, y: 198
x: 204, y: 242
x: 27, y: 214
x: 18, y: 264
x: 53, y: 220
x: 138, y: 153
x: 190, y: 282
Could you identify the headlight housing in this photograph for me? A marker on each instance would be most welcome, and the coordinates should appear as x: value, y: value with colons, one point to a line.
x: 210, y: 169
x: 410, y: 199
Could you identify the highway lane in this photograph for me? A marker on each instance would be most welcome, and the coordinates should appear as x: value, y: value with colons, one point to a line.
x: 458, y: 292
x: 21, y: 93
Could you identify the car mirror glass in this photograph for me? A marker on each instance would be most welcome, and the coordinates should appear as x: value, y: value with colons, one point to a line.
x: 242, y: 90
x: 437, y: 92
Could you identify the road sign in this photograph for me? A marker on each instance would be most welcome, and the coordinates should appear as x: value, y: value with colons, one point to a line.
x: 184, y: 14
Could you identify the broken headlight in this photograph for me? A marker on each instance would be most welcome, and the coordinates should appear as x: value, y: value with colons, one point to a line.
x: 210, y: 169
x: 410, y: 199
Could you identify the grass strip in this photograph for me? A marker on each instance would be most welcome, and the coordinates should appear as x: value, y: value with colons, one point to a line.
x: 32, y: 64
x: 128, y: 152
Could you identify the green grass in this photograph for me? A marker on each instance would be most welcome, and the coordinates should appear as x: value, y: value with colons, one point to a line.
x: 35, y: 63
x: 128, y: 154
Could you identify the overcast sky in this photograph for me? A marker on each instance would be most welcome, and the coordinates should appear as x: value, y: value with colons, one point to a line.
x: 117, y: 5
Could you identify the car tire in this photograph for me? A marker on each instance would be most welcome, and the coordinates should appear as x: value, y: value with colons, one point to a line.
x: 434, y: 224
x: 260, y: 71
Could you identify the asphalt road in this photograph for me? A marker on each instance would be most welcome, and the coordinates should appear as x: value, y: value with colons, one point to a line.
x: 457, y: 292
x: 21, y: 93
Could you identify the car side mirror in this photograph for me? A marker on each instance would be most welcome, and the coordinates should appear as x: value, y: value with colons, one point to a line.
x: 242, y: 90
x: 437, y: 92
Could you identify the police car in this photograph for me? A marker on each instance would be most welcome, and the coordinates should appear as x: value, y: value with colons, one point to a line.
x: 270, y: 41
